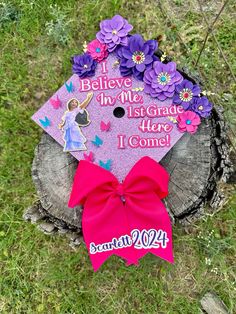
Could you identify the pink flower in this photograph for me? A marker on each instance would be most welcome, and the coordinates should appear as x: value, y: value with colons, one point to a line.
x: 188, y: 121
x: 97, y: 50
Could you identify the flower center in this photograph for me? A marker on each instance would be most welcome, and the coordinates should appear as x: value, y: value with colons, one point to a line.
x: 98, y: 50
x: 188, y: 121
x: 186, y: 94
x: 138, y: 57
x: 85, y: 66
x: 163, y: 78
x: 114, y: 32
x: 200, y: 107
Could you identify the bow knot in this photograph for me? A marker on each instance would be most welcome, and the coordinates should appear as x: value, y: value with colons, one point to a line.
x: 120, y: 190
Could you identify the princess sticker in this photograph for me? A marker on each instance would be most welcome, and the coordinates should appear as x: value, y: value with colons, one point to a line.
x: 75, y: 117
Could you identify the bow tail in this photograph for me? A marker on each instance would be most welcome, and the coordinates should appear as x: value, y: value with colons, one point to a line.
x: 149, y: 216
x: 106, y: 230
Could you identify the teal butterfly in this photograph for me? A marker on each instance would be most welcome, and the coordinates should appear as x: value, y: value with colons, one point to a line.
x: 45, y: 123
x: 97, y: 141
x: 69, y: 87
x: 106, y: 165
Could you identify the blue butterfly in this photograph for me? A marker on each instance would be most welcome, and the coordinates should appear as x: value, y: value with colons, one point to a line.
x: 106, y: 165
x: 45, y: 123
x: 69, y: 87
x: 97, y: 141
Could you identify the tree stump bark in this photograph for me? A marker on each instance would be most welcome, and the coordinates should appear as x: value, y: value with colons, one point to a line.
x: 195, y: 164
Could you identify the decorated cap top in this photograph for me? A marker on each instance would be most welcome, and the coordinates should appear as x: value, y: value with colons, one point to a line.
x: 122, y: 102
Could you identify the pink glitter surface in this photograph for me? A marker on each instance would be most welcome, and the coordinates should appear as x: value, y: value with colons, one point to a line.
x: 122, y: 159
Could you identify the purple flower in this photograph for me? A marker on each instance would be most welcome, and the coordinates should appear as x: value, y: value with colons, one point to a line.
x: 185, y: 93
x: 202, y: 106
x: 114, y: 32
x: 84, y: 65
x: 160, y: 81
x: 137, y: 57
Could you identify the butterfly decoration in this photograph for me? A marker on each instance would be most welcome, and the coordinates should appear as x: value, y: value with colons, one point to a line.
x: 115, y: 64
x: 85, y: 47
x: 163, y: 56
x: 69, y: 87
x: 89, y: 157
x: 45, y: 123
x: 105, y: 126
x: 172, y: 119
x: 106, y: 165
x: 207, y: 93
x: 56, y: 103
x: 97, y: 141
x: 138, y: 89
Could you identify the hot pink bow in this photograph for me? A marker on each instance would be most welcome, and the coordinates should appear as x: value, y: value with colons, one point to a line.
x: 116, y: 212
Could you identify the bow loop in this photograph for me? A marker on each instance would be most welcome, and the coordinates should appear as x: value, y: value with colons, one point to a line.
x: 147, y: 175
x: 88, y: 178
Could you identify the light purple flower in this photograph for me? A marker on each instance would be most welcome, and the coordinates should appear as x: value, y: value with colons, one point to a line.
x: 202, y: 106
x: 83, y: 65
x: 137, y: 56
x: 160, y: 81
x: 114, y: 32
x: 185, y: 93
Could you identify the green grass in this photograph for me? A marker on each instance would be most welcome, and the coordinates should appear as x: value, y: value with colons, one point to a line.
x: 42, y: 274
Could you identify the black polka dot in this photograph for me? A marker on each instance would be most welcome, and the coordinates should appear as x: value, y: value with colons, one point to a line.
x: 119, y: 112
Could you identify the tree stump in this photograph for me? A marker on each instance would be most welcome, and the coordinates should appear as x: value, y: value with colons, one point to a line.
x: 195, y: 164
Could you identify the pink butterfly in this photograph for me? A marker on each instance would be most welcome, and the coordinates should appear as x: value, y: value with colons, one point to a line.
x: 56, y: 103
x: 89, y: 157
x: 105, y: 127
